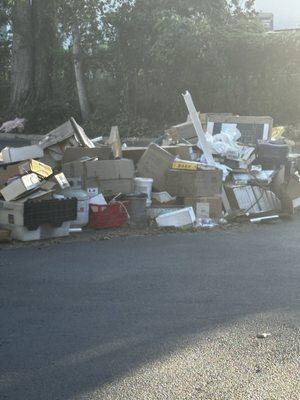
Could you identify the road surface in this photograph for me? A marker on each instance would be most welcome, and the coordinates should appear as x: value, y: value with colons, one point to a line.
x: 159, y: 317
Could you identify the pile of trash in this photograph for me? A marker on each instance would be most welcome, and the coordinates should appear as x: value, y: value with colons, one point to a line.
x: 209, y: 170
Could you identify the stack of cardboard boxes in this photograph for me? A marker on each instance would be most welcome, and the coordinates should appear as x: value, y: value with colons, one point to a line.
x: 192, y: 184
x: 31, y: 182
x: 34, y: 179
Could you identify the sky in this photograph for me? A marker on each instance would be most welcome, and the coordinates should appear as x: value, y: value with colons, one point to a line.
x: 286, y: 12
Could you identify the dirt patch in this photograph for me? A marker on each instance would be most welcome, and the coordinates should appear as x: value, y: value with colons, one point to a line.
x: 90, y: 235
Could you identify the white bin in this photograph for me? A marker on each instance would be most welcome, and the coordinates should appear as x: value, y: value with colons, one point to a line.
x: 43, y: 232
x: 144, y: 186
x: 12, y: 218
x: 177, y: 219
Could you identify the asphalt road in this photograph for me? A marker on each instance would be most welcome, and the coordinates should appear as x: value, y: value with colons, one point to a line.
x: 161, y: 317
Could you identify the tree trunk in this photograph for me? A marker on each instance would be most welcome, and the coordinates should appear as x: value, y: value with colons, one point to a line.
x: 43, y: 26
x: 33, y: 23
x: 22, y: 50
x: 79, y: 75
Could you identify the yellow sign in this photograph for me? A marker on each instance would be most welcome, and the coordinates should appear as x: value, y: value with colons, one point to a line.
x: 186, y: 165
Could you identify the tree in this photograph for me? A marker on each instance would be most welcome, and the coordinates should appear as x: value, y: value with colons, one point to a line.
x: 22, y: 55
x: 127, y: 62
x: 44, y: 28
x: 34, y: 30
x: 81, y: 21
x: 5, y: 47
x: 158, y: 44
x: 79, y: 74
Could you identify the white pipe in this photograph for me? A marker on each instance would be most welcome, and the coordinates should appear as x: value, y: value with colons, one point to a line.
x: 202, y: 142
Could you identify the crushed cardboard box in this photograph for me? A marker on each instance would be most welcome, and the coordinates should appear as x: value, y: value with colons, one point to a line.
x: 16, y: 154
x: 20, y: 186
x: 155, y: 164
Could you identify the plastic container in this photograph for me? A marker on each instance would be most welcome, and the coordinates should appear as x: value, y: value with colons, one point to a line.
x: 144, y: 186
x: 42, y: 232
x: 177, y: 219
x: 112, y: 215
x: 137, y: 209
x: 82, y: 206
x: 154, y: 212
x: 37, y: 220
x: 46, y: 212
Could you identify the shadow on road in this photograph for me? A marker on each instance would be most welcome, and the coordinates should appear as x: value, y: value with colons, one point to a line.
x: 78, y: 316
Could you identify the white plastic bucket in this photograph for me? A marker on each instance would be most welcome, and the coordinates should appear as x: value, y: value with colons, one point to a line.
x: 144, y: 186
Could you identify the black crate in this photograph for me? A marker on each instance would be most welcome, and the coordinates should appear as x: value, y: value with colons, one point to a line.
x: 277, y: 152
x: 52, y: 212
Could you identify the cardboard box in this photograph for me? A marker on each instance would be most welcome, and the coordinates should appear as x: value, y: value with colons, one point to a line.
x: 80, y: 135
x: 5, y: 236
x: 205, y: 207
x: 110, y: 169
x: 111, y: 177
x: 155, y: 164
x: 43, y: 192
x: 187, y: 165
x: 16, y: 154
x: 8, y: 172
x: 58, y: 135
x: 203, y: 183
x: 48, y: 186
x: 32, y: 166
x: 74, y: 169
x: 134, y: 153
x: 184, y: 131
x: 36, y: 167
x: 183, y: 151
x: 61, y: 180
x: 20, y: 186
x: 77, y: 153
x: 111, y: 188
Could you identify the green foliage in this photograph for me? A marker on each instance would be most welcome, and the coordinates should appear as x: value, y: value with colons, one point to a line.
x: 139, y: 56
x: 47, y: 115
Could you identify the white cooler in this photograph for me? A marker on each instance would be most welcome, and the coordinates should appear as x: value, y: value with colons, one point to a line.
x: 12, y: 218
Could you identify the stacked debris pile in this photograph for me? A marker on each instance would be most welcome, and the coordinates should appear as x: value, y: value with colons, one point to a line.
x: 208, y: 170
